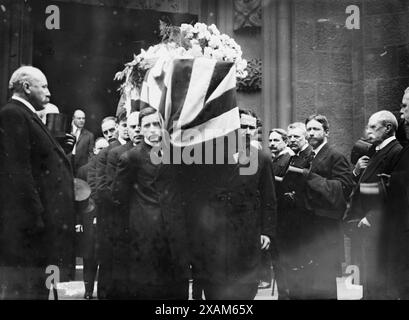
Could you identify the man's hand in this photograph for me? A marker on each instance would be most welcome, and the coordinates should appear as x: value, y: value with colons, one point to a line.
x: 67, y: 142
x: 364, y: 223
x: 265, y: 242
x: 385, y: 177
x: 361, y: 165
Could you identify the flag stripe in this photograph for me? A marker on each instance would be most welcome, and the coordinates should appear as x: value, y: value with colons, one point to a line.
x: 201, y: 76
x: 213, y: 128
x: 221, y: 70
x: 180, y: 82
x: 214, y: 108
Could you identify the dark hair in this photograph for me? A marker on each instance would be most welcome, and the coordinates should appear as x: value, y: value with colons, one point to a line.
x: 281, y: 132
x: 253, y: 114
x: 248, y: 112
x: 321, y: 119
x: 146, y: 112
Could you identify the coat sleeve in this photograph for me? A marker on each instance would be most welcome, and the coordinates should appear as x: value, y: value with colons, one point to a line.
x: 398, y: 190
x: 100, y: 177
x: 268, y: 205
x: 330, y: 193
x: 16, y: 170
x: 122, y: 181
x: 112, y: 162
x: 91, y: 144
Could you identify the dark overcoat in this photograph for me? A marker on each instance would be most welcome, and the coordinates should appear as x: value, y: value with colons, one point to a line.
x: 397, y: 237
x: 153, y: 224
x: 87, y: 239
x: 228, y: 212
x: 37, y: 213
x: 294, y: 219
x: 329, y: 184
x: 370, y: 245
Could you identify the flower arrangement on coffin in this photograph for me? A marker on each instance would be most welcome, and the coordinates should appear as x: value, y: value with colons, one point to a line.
x: 185, y: 41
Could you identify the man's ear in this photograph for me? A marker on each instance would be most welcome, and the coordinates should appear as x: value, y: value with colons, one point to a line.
x: 389, y: 127
x: 26, y: 87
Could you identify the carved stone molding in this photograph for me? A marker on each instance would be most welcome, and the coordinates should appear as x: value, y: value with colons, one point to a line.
x: 176, y: 6
x: 247, y: 13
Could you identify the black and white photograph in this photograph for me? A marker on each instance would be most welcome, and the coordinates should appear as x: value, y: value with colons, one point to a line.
x: 204, y: 150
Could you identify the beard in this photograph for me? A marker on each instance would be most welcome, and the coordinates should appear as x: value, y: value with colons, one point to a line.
x: 315, y: 142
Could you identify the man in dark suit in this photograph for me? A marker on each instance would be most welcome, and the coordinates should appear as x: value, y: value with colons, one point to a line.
x: 281, y: 155
x: 328, y: 184
x: 153, y: 224
x: 280, y: 152
x: 88, y: 220
x: 82, y: 150
x: 370, y: 211
x: 231, y: 217
x: 294, y: 221
x: 37, y: 214
x: 117, y: 135
x: 119, y: 276
x: 397, y: 240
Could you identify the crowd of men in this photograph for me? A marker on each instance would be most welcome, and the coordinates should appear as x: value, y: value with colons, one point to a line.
x: 149, y: 228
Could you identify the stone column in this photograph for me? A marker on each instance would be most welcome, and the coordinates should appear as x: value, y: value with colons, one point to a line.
x: 277, y: 88
x: 269, y: 67
x: 284, y: 59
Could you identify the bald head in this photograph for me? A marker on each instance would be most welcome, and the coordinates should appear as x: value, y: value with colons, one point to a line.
x: 79, y: 118
x: 30, y: 83
x: 100, y: 143
x: 381, y: 125
x: 386, y: 117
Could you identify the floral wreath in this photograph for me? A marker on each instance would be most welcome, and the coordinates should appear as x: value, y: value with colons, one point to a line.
x: 184, y: 41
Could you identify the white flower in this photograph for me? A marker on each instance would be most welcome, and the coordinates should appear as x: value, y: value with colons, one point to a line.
x: 213, y: 29
x: 204, y: 35
x: 214, y: 42
x: 195, y: 51
x: 187, y: 29
x: 200, y: 27
x: 208, y: 52
x: 194, y: 42
x: 218, y: 54
x: 203, y: 40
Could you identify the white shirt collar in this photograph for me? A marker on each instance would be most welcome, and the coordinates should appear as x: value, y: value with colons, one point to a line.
x: 75, y: 128
x: 121, y: 141
x: 385, y: 143
x: 320, y: 147
x: 25, y: 102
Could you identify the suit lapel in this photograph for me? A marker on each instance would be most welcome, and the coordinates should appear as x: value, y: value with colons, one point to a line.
x: 37, y: 120
x: 83, y: 133
x: 377, y: 160
x: 320, y: 157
